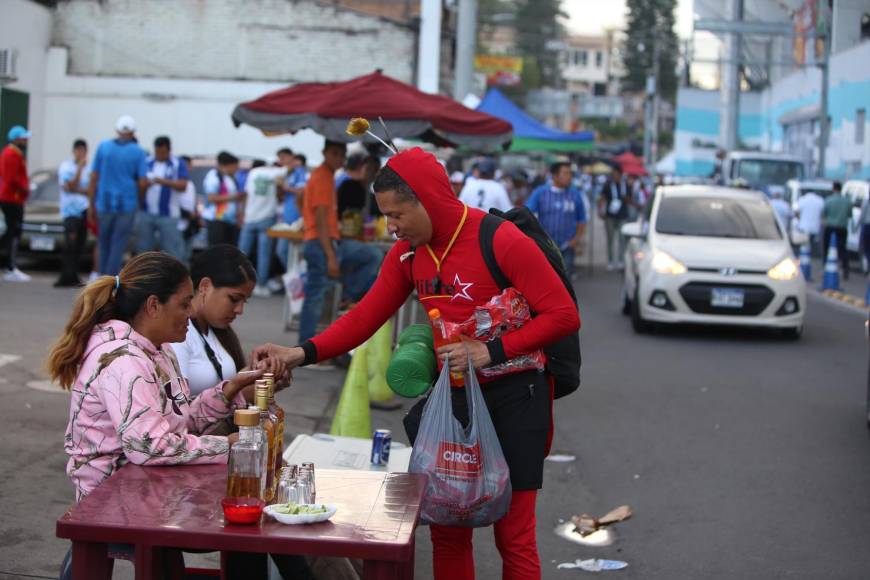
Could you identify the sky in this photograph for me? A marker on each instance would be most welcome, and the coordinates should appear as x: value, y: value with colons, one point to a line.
x: 593, y: 16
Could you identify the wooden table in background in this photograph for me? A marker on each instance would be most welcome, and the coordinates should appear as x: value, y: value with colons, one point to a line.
x: 179, y: 507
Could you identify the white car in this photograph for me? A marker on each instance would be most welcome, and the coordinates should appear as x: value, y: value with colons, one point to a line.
x: 712, y: 255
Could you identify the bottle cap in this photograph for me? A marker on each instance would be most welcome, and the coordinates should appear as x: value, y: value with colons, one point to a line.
x: 246, y: 418
x: 434, y: 313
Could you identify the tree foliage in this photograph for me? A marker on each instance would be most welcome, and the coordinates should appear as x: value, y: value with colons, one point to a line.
x: 651, y: 22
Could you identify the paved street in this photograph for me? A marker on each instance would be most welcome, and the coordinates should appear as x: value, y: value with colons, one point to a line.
x: 743, y: 455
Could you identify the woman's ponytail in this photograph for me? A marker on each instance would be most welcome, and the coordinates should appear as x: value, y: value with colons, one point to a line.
x: 93, y: 306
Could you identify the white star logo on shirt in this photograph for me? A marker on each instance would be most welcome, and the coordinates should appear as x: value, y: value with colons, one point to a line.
x: 464, y: 286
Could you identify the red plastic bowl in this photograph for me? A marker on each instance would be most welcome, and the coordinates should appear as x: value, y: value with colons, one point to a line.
x: 242, y: 510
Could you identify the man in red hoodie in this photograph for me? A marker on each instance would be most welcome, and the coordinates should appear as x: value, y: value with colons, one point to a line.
x: 438, y: 255
x: 14, y: 189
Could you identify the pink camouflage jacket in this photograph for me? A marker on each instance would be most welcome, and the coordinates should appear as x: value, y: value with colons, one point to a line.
x: 130, y: 403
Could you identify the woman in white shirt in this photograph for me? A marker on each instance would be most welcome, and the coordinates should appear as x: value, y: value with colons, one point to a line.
x: 223, y: 280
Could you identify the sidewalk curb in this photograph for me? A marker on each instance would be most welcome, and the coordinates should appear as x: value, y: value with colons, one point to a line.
x: 845, y: 301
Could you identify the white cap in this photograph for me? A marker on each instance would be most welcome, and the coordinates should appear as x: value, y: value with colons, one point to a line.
x: 457, y: 177
x: 125, y: 124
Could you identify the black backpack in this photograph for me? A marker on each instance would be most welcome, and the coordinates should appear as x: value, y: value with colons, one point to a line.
x: 563, y: 356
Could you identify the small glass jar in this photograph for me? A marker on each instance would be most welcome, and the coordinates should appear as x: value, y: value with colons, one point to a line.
x: 288, y: 486
x: 305, y: 478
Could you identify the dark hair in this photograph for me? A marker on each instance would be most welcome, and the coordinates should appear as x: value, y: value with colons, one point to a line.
x: 225, y: 158
x: 388, y: 180
x: 838, y: 186
x: 162, y: 141
x: 302, y: 159
x: 616, y: 168
x: 355, y: 161
x: 284, y: 151
x: 187, y: 160
x: 557, y: 167
x: 80, y: 143
x: 148, y: 274
x: 257, y: 163
x: 329, y: 144
x: 227, y: 267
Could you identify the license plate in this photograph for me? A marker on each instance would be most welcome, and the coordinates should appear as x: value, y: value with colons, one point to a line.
x: 727, y: 298
x: 42, y: 243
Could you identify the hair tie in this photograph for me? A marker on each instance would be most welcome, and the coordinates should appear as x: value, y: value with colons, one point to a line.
x: 117, y: 283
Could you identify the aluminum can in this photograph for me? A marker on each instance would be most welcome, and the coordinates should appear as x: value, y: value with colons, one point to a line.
x: 382, y: 439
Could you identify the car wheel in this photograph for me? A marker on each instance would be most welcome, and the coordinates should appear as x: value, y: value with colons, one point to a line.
x: 626, y: 303
x: 639, y: 325
x: 793, y: 333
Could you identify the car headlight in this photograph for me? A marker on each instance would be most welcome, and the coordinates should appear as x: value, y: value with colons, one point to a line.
x: 666, y: 264
x: 786, y: 270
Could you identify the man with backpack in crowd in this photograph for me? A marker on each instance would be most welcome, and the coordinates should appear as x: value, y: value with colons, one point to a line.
x: 458, y: 258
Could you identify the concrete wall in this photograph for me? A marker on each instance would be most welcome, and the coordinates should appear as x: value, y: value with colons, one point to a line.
x: 195, y: 114
x: 262, y: 40
x: 26, y: 28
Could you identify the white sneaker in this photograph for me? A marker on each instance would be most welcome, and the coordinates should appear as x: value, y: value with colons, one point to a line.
x: 262, y: 292
x: 274, y: 285
x: 16, y: 275
x: 93, y: 276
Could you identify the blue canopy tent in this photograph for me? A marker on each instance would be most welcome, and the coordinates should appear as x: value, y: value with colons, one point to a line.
x: 529, y: 133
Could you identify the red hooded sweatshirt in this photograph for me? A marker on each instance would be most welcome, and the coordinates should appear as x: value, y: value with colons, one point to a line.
x: 465, y: 279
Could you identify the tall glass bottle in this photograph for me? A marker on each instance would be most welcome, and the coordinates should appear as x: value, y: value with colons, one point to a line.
x: 260, y: 435
x: 276, y: 410
x: 244, y: 501
x: 267, y: 422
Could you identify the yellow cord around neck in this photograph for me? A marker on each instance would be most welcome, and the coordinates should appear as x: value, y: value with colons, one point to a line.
x: 452, y: 241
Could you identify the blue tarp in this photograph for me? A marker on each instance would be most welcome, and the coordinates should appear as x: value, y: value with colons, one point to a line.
x: 526, y: 126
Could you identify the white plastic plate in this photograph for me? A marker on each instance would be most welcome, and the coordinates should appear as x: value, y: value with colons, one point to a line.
x: 302, y: 518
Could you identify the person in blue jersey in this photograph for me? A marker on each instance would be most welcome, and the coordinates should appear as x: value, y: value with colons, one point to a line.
x: 561, y: 210
x: 157, y: 222
x: 118, y: 181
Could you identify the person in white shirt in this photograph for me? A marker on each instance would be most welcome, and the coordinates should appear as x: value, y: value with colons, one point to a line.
x: 73, y: 177
x: 160, y: 211
x: 223, y: 279
x: 485, y: 192
x: 260, y: 214
x: 781, y: 207
x: 809, y: 213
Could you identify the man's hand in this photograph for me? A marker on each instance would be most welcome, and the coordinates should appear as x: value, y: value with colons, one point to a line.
x: 333, y: 270
x: 289, y: 357
x: 459, y: 354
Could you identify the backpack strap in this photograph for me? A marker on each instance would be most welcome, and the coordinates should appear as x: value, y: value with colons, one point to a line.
x: 488, y: 227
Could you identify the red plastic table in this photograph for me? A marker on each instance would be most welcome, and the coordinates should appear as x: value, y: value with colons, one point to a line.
x: 179, y: 507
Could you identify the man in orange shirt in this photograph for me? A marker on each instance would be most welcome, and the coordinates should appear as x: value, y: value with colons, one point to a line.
x: 326, y: 255
x: 14, y: 189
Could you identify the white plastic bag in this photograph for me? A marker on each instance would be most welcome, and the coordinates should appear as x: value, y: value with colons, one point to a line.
x: 469, y: 480
x: 294, y: 282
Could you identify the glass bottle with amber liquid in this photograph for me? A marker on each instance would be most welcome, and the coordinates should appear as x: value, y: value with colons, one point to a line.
x: 244, y: 502
x: 276, y: 410
x: 268, y: 422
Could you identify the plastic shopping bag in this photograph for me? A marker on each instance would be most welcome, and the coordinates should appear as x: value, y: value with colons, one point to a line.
x: 294, y: 282
x: 469, y: 481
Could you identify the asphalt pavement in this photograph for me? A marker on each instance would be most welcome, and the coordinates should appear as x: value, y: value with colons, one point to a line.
x: 742, y: 455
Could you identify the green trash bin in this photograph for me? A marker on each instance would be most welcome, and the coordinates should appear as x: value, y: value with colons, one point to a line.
x: 412, y: 370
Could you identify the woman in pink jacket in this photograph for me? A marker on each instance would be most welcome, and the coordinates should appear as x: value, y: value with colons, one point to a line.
x: 129, y: 401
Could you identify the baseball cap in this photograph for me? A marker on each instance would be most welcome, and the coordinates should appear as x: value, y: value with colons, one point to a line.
x: 18, y: 132
x: 125, y: 124
x: 457, y: 177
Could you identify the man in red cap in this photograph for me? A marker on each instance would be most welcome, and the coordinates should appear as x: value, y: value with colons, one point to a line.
x: 438, y: 254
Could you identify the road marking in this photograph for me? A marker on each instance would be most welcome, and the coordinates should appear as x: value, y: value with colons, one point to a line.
x: 6, y: 359
x: 46, y: 387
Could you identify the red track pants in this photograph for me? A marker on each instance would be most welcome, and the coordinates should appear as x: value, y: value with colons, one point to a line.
x: 514, y: 536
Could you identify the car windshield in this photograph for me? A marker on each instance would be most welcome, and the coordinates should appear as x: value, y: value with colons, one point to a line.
x: 717, y: 217
x: 760, y: 173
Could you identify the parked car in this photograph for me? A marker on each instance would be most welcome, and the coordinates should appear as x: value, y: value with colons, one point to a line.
x: 712, y: 255
x: 42, y: 230
x: 761, y: 170
x: 858, y: 191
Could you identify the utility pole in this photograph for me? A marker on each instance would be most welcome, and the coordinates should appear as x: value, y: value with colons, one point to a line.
x: 429, y: 52
x: 730, y: 89
x: 824, y: 118
x: 651, y: 106
x: 466, y: 37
